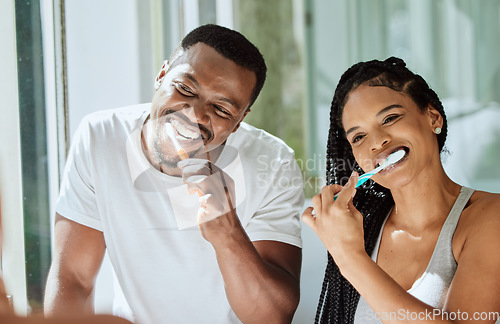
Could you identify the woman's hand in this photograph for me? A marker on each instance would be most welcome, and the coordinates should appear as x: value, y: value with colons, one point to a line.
x: 338, y: 223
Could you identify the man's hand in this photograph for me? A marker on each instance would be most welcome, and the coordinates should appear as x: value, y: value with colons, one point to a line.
x: 261, y: 278
x: 217, y: 214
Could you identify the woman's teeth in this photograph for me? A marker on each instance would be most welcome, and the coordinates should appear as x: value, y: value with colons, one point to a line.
x: 183, y: 131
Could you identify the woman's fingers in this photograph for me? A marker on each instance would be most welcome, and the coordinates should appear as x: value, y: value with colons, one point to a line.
x: 317, y: 203
x: 323, y: 202
x: 308, y: 217
x: 327, y: 195
x: 349, y: 190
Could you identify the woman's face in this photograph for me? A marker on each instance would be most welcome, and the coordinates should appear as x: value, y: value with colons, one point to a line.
x: 379, y: 121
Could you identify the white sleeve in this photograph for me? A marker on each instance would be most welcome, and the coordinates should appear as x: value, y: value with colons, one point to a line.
x: 77, y: 200
x: 278, y: 218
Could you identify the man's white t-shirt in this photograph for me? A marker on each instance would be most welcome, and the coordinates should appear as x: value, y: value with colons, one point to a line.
x: 167, y: 271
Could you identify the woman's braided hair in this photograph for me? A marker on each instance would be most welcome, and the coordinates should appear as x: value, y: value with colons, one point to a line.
x: 338, y: 298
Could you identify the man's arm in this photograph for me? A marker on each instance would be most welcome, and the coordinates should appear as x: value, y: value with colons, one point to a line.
x: 78, y: 254
x: 262, y: 281
x: 5, y: 308
x: 95, y: 319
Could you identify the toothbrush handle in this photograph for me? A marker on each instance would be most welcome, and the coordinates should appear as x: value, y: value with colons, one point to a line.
x: 362, y: 179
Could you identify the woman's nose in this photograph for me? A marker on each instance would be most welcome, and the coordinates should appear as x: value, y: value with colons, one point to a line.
x: 379, y: 140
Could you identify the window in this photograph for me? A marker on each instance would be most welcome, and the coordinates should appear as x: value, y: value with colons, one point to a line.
x: 33, y: 150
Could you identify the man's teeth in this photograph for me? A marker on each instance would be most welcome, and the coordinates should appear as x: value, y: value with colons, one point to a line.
x: 183, y: 131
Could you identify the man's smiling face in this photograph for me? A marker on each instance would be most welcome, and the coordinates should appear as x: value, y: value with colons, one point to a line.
x: 204, y: 96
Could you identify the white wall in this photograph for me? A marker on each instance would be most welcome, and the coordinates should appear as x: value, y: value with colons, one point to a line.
x: 103, y: 53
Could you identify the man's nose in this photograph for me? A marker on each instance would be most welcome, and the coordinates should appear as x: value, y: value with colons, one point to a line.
x: 198, y: 113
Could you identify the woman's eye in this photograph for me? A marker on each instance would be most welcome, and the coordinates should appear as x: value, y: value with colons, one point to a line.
x: 357, y: 138
x: 390, y: 118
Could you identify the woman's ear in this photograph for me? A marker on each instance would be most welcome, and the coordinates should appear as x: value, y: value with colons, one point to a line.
x: 435, y: 118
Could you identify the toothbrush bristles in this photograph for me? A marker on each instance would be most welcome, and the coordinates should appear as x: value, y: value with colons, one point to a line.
x: 171, y: 134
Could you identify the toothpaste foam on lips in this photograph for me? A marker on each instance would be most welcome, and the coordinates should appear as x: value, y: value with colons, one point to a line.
x: 183, y: 132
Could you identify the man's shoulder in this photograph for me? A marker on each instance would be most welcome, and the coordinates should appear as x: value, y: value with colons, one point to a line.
x: 251, y: 138
x: 121, y: 115
x: 114, y: 124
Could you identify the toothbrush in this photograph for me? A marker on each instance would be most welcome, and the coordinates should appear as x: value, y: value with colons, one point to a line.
x: 171, y: 134
x: 180, y: 151
x: 391, y: 159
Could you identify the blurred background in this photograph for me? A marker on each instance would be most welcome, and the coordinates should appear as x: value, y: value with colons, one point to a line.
x: 62, y: 59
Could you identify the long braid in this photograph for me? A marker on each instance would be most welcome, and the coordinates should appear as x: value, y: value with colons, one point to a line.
x: 338, y: 298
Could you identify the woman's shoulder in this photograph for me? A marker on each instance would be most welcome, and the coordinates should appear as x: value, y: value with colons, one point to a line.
x: 484, y: 203
x: 480, y: 219
x: 483, y: 209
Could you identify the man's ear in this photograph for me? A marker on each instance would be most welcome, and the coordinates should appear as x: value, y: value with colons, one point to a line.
x: 238, y: 125
x: 161, y: 74
x: 435, y: 118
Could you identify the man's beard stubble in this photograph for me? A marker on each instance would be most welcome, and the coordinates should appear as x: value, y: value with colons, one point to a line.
x: 171, y: 161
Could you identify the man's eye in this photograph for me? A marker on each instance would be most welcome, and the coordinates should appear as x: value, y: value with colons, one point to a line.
x: 184, y: 90
x: 222, y: 111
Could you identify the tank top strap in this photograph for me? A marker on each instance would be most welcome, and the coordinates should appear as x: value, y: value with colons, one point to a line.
x: 433, y: 285
x: 459, y: 205
x: 443, y: 250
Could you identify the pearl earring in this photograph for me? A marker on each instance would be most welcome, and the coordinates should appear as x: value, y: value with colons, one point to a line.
x: 437, y: 130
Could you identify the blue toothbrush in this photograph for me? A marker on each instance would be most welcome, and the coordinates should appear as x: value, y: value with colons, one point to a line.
x: 391, y: 159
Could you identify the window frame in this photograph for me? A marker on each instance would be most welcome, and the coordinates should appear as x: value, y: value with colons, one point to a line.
x: 13, y: 257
